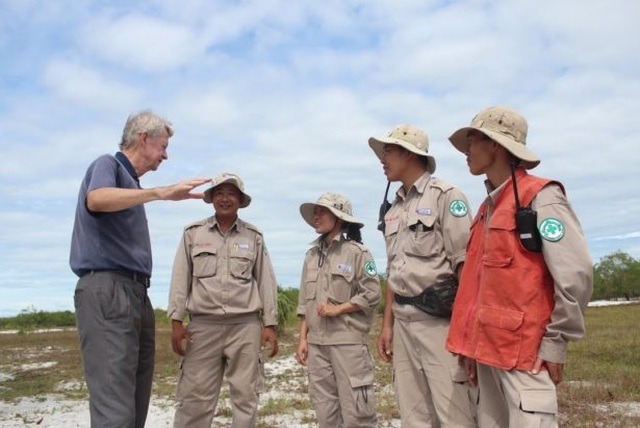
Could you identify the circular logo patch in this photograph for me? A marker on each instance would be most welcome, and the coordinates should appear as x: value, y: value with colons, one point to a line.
x: 551, y: 229
x: 370, y: 268
x: 458, y: 208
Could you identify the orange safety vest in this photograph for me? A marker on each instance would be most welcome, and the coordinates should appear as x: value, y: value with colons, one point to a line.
x: 506, y: 296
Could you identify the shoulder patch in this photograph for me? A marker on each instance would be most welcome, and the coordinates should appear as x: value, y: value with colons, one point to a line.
x: 551, y: 229
x: 458, y: 208
x: 370, y: 268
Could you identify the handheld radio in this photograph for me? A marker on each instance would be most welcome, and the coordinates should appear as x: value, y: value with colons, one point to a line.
x: 526, y: 220
x: 384, y: 207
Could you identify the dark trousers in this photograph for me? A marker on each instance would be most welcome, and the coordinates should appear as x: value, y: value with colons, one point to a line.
x: 116, y: 325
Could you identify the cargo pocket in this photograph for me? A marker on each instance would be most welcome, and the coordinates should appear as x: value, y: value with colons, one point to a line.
x: 342, y: 275
x: 311, y: 285
x: 361, y: 380
x: 539, y: 401
x: 204, y: 262
x: 500, y: 338
x: 425, y: 241
x: 500, y: 241
x: 390, y: 234
x: 241, y: 266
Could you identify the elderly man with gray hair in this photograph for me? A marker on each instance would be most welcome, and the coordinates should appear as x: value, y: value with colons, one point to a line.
x: 111, y: 254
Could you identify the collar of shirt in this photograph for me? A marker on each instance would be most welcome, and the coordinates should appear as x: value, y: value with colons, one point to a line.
x: 213, y: 223
x: 420, y: 186
x: 127, y: 165
x: 318, y: 242
x: 494, y: 192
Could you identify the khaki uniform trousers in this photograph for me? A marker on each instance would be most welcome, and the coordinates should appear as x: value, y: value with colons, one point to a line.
x: 217, y: 350
x: 431, y: 387
x: 341, y: 386
x: 516, y: 399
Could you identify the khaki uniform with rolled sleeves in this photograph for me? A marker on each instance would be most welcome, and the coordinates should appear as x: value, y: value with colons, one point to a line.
x: 531, y: 318
x: 226, y: 285
x: 341, y: 370
x: 426, y: 233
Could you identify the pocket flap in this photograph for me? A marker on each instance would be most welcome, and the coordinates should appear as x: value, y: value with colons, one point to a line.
x: 506, y: 319
x: 458, y: 374
x: 203, y: 250
x: 345, y: 270
x: 502, y: 220
x: 391, y: 227
x: 539, y: 401
x: 311, y: 275
x: 427, y: 220
x: 361, y: 379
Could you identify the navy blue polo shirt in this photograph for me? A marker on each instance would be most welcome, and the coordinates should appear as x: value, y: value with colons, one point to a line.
x: 116, y: 240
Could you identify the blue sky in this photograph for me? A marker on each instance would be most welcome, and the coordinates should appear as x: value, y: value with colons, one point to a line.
x: 286, y: 94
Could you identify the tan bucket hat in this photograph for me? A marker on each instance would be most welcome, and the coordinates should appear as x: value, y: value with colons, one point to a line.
x: 411, y: 138
x: 503, y: 125
x: 339, y: 205
x: 227, y: 177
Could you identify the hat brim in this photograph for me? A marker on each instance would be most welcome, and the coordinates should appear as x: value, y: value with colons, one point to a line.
x: 245, y: 199
x: 306, y: 210
x: 377, y: 144
x: 528, y: 158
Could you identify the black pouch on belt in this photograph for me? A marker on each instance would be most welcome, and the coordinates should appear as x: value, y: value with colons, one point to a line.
x: 437, y: 300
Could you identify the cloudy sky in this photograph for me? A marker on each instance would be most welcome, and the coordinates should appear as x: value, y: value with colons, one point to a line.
x: 286, y: 94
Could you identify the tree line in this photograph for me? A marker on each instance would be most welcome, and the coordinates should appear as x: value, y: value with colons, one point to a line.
x: 616, y: 276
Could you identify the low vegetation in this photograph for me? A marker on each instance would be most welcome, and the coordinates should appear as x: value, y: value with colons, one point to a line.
x: 601, y: 376
x: 600, y: 387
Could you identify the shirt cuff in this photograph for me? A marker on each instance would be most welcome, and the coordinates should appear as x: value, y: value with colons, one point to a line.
x: 553, y: 351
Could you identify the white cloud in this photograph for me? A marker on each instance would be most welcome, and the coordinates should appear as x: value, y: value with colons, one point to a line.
x: 141, y: 42
x: 85, y: 86
x: 286, y: 94
x: 631, y: 235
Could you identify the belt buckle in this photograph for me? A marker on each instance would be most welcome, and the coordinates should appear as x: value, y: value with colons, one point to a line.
x: 142, y: 279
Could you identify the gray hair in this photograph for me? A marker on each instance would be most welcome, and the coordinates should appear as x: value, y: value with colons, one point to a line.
x: 144, y: 121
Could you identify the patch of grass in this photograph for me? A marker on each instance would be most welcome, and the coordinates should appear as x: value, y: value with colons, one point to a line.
x: 603, y: 369
x: 38, y: 362
x: 601, y: 373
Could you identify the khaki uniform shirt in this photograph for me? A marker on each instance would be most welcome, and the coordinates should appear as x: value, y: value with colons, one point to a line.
x: 343, y: 272
x: 569, y: 263
x: 223, y: 277
x: 426, y: 233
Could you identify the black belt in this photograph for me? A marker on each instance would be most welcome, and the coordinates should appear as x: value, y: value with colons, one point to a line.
x: 405, y: 300
x: 138, y: 277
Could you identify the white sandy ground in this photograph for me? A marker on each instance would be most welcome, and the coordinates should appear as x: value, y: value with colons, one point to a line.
x: 54, y: 410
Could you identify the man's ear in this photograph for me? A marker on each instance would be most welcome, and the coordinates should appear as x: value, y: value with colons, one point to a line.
x: 409, y: 153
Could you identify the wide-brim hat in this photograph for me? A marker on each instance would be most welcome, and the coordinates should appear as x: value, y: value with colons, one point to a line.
x: 411, y: 138
x: 503, y: 125
x: 339, y: 205
x: 227, y: 177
